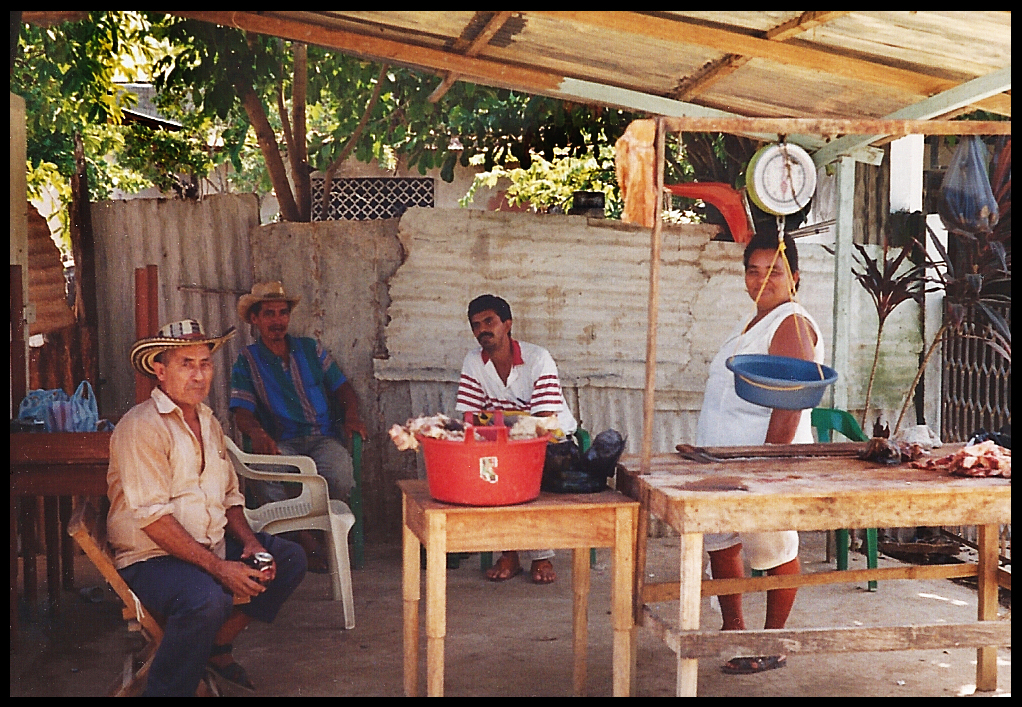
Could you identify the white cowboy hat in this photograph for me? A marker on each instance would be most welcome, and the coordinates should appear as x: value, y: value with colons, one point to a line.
x: 186, y: 332
x: 264, y: 292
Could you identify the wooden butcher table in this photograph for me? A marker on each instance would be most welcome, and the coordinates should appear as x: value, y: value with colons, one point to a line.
x: 768, y: 493
x: 581, y: 521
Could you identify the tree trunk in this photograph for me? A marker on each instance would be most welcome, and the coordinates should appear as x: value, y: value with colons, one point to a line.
x: 300, y: 160
x: 271, y: 153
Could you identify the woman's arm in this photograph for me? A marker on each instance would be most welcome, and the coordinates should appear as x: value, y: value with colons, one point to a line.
x: 794, y: 338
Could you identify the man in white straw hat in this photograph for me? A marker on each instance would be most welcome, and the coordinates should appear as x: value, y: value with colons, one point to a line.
x: 177, y: 524
x: 282, y: 388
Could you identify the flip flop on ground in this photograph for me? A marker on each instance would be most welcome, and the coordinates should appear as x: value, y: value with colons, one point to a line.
x: 506, y: 567
x: 229, y: 672
x: 756, y: 664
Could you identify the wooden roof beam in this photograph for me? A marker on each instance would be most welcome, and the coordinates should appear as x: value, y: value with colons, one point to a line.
x: 484, y: 71
x: 996, y: 82
x: 718, y: 69
x: 832, y: 127
x: 729, y: 42
x: 474, y: 47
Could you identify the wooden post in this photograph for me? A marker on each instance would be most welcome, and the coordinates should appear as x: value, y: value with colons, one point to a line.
x: 147, y: 314
x: 579, y: 618
x: 19, y: 340
x: 986, y: 657
x: 648, y: 401
x: 843, y: 239
x: 688, y: 609
x: 411, y: 597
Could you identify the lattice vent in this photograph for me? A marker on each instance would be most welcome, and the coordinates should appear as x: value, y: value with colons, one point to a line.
x: 370, y: 198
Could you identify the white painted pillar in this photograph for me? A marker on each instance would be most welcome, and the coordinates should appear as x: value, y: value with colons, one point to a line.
x: 840, y: 353
x: 907, y: 174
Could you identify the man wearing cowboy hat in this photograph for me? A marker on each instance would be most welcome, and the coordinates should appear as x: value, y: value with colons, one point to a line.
x: 281, y: 390
x: 177, y: 524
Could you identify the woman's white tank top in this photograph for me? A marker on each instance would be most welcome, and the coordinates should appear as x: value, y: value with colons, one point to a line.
x: 727, y: 420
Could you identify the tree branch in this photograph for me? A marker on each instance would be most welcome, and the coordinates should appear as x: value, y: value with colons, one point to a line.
x: 328, y: 177
x: 271, y: 153
x: 300, y: 162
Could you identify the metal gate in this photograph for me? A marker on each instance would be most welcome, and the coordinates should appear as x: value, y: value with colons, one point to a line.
x: 975, y: 380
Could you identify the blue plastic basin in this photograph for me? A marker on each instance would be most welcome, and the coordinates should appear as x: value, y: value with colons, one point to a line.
x: 780, y: 381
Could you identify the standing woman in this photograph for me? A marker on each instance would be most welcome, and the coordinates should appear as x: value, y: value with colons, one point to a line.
x: 780, y: 327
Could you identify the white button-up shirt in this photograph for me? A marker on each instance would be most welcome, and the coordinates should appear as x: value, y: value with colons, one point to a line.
x: 156, y: 469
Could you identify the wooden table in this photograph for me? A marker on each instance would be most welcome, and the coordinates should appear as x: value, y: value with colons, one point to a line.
x: 807, y: 493
x: 54, y: 466
x: 580, y: 522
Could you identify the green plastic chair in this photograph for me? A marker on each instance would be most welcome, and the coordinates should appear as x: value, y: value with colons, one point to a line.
x: 827, y: 421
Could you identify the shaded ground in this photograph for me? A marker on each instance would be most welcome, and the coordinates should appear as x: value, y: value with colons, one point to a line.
x: 514, y: 638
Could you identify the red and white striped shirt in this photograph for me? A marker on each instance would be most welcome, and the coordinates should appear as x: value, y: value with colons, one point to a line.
x: 532, y: 386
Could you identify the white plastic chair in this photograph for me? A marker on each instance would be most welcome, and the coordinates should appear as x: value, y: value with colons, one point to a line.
x: 312, y: 510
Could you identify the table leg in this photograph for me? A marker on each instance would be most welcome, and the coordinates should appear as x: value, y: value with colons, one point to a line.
x: 410, y: 590
x: 12, y: 519
x: 691, y: 588
x: 29, y: 548
x: 986, y: 657
x: 51, y: 520
x: 67, y: 560
x: 436, y: 602
x: 621, y: 600
x: 580, y: 617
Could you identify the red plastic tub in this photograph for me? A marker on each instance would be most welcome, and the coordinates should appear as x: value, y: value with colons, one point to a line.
x: 495, y: 472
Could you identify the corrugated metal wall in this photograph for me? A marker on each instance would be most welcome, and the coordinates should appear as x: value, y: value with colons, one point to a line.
x: 203, y: 254
x: 389, y: 299
x: 579, y: 288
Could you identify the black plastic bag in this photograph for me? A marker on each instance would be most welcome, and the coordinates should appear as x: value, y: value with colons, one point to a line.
x: 568, y: 470
x: 967, y: 204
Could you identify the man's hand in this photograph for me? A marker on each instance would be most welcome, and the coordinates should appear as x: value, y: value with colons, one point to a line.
x: 251, y: 548
x: 356, y: 425
x: 240, y: 579
x: 262, y: 443
x: 346, y: 398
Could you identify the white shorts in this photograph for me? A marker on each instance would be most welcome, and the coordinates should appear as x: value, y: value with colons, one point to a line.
x: 763, y: 550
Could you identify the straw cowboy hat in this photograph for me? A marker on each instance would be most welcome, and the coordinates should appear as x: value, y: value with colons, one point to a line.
x: 264, y: 292
x: 187, y: 332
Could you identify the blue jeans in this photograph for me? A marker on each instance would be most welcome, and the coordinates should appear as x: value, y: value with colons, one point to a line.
x: 195, y: 606
x: 333, y: 462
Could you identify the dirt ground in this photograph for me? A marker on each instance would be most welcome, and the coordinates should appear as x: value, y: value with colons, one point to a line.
x: 513, y: 638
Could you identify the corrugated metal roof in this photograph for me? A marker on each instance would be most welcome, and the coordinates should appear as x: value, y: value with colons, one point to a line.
x: 840, y: 64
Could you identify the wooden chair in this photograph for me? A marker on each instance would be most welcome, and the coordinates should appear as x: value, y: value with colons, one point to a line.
x: 827, y: 421
x: 313, y: 509
x: 88, y: 528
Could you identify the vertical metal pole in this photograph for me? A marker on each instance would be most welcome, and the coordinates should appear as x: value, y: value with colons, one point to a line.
x: 648, y: 406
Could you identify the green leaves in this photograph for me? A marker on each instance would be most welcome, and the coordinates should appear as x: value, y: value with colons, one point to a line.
x: 546, y: 185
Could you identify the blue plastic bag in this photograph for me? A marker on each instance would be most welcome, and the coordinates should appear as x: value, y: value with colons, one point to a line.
x: 36, y: 405
x: 60, y: 413
x: 77, y: 414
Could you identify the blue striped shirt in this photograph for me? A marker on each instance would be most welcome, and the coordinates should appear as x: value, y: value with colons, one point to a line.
x: 285, y: 405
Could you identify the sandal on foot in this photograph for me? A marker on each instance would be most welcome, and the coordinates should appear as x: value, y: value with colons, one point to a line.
x: 232, y: 673
x: 750, y: 665
x: 504, y: 569
x: 542, y: 572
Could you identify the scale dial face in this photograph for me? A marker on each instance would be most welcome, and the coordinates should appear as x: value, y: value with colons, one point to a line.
x: 781, y: 179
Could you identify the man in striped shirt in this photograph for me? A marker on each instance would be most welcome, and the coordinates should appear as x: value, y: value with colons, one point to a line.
x: 504, y: 374
x: 281, y: 390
